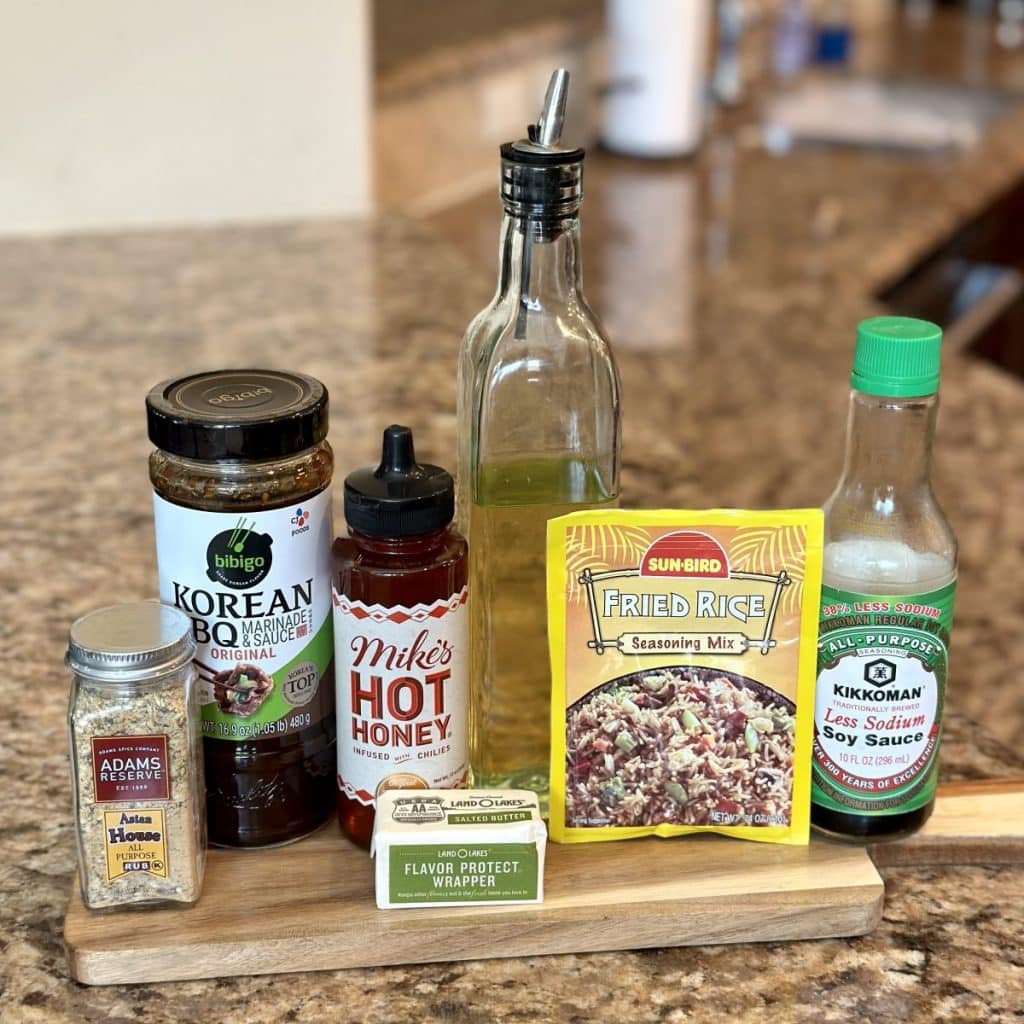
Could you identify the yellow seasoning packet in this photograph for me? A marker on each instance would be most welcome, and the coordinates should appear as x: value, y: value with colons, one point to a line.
x: 683, y: 649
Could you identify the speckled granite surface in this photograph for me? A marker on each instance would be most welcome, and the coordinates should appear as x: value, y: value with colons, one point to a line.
x: 734, y: 337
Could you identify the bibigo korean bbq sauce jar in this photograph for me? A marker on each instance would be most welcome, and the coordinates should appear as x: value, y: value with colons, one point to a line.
x: 241, y: 474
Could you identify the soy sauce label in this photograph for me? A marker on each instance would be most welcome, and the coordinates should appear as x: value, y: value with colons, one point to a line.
x: 402, y: 695
x: 257, y: 587
x: 882, y: 668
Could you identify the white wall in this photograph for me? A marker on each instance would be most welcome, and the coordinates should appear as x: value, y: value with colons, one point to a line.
x: 119, y: 113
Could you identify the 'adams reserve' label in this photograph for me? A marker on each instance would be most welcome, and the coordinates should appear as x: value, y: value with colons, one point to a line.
x: 402, y: 694
x: 882, y: 666
x: 129, y: 768
x: 257, y: 587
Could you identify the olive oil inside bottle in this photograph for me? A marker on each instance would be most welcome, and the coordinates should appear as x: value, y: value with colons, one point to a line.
x: 510, y: 727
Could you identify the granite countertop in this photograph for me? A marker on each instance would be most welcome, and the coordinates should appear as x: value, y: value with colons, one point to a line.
x: 733, y: 310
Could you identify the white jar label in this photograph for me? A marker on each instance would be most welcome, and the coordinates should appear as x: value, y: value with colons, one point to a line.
x: 402, y: 695
x: 257, y: 587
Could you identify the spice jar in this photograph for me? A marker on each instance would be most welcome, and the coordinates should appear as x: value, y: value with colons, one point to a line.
x: 136, y: 763
x: 242, y: 502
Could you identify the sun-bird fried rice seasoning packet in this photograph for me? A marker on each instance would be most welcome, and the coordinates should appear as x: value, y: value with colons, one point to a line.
x: 683, y: 647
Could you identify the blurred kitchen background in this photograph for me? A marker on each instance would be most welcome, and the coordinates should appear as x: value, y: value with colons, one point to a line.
x: 750, y: 162
x: 122, y: 115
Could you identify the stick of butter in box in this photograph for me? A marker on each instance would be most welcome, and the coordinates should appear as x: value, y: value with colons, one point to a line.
x: 458, y: 847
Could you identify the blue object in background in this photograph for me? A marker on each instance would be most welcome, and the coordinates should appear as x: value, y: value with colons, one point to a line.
x: 832, y: 45
x: 834, y: 36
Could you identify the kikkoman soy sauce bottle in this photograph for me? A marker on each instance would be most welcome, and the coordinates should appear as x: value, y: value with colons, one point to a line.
x: 538, y: 438
x: 887, y: 599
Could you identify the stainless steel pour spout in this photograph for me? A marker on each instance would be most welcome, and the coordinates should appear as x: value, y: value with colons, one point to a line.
x: 539, y: 176
x: 548, y: 129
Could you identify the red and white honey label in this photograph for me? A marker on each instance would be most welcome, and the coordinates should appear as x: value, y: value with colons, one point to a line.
x: 402, y: 677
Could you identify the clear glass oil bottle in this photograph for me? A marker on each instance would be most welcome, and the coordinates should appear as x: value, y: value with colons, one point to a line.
x: 538, y: 437
x: 887, y: 598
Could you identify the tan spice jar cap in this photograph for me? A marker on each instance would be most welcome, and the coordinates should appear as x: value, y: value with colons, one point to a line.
x: 128, y: 642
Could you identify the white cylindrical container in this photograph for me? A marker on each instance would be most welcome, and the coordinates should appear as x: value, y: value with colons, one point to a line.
x: 657, y: 66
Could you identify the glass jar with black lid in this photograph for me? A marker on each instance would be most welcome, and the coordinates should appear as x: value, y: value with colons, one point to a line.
x: 242, y: 501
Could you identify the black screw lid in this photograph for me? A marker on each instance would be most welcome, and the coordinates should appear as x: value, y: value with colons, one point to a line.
x: 237, y: 414
x: 400, y: 497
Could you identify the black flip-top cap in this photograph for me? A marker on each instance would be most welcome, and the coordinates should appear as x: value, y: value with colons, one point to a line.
x: 248, y: 415
x: 400, y: 497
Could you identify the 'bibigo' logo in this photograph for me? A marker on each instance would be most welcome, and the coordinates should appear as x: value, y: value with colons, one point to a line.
x: 239, y: 558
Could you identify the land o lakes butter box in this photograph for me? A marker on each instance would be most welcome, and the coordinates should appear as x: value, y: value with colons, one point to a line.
x: 458, y: 847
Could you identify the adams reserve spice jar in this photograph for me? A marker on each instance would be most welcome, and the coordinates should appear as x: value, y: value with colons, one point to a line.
x: 136, y: 759
x: 242, y: 474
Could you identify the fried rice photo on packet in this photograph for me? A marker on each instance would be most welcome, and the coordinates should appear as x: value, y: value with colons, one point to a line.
x: 683, y: 650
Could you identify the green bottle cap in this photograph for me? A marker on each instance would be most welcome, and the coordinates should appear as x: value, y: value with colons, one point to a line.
x: 897, y: 356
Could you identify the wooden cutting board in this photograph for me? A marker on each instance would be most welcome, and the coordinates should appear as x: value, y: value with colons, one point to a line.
x: 979, y: 822
x: 310, y: 906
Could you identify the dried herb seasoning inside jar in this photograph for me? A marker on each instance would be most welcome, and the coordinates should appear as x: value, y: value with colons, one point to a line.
x: 136, y: 759
x: 241, y: 474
